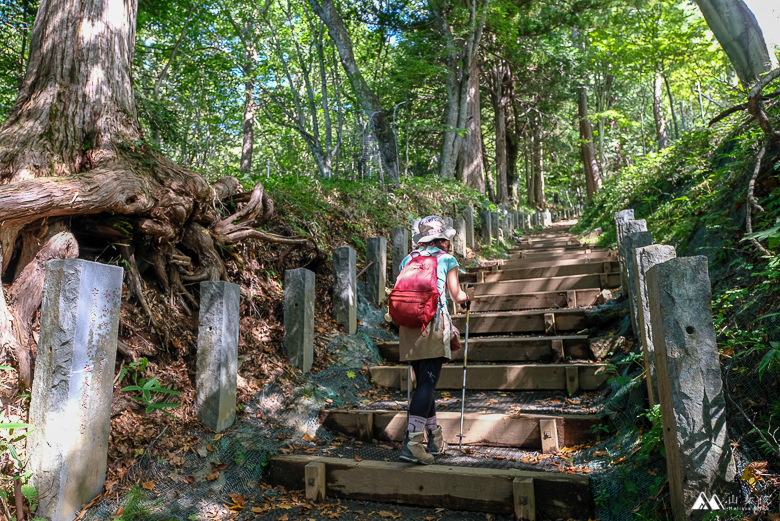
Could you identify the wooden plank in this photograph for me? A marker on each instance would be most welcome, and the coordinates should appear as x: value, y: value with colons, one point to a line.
x: 541, y: 300
x: 524, y: 499
x: 564, y: 283
x: 504, y: 377
x: 520, y: 322
x: 557, y: 494
x: 546, y: 261
x: 549, y: 324
x: 315, y: 482
x: 510, y: 349
x: 549, y: 434
x: 566, y: 270
x: 486, y: 429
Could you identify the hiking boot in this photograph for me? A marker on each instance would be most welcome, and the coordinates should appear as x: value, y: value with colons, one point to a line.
x: 436, y: 443
x: 413, y: 449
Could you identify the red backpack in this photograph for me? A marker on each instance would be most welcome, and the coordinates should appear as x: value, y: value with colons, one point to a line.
x: 414, y: 299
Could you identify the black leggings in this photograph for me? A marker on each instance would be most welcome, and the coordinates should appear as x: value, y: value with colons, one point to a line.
x: 426, y: 373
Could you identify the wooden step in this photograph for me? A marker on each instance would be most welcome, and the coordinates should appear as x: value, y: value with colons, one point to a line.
x: 568, y: 282
x: 547, y: 244
x: 575, y: 298
x: 544, y: 322
x: 515, y: 349
x: 528, y: 431
x: 526, y: 494
x: 525, y: 377
x: 567, y: 270
x: 557, y: 254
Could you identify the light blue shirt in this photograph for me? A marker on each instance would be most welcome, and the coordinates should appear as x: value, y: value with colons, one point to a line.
x: 445, y: 263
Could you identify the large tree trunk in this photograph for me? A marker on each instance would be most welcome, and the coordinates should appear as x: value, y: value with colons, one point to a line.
x: 248, y: 142
x: 538, y: 161
x: 592, y: 175
x: 72, y: 148
x: 740, y: 34
x: 500, y: 105
x: 473, y: 171
x: 369, y: 103
x: 512, y: 138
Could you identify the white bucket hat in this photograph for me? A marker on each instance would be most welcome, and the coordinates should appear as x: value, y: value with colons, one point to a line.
x: 432, y: 228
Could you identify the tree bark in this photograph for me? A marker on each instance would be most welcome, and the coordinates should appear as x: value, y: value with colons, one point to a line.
x: 740, y: 34
x: 538, y: 161
x: 369, y: 102
x: 658, y: 113
x: 500, y: 103
x: 592, y: 174
x: 473, y: 171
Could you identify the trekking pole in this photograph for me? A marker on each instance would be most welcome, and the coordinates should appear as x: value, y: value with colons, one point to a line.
x: 465, y: 365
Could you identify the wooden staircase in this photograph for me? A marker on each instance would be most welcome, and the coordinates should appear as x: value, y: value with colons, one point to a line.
x: 526, y: 351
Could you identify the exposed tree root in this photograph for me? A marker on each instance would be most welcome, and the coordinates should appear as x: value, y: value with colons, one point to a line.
x: 161, y: 216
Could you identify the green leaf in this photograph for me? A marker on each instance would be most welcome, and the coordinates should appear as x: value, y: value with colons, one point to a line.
x: 15, y: 425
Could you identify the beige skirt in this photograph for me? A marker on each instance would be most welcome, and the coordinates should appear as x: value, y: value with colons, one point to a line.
x: 416, y: 345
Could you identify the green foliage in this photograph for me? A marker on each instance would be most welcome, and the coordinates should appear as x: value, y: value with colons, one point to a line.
x: 10, y: 437
x: 146, y: 388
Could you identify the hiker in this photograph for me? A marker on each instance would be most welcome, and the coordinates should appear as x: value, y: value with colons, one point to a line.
x: 428, y: 348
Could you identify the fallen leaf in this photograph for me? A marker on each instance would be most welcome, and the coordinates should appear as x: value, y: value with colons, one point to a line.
x: 190, y: 479
x: 358, y: 458
x: 212, y: 476
x: 284, y: 518
x: 385, y: 513
x: 210, y: 447
x: 216, y: 465
x: 148, y: 485
x: 309, y: 437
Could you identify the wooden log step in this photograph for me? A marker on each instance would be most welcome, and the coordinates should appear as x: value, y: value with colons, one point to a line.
x: 557, y: 260
x: 568, y: 270
x: 568, y: 282
x: 558, y: 254
x: 544, y: 322
x: 565, y: 244
x: 514, y: 349
x: 528, y: 377
x: 525, y: 431
x: 553, y: 495
x: 543, y: 300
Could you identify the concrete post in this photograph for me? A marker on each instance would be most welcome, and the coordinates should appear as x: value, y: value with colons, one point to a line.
x: 626, y: 227
x: 644, y: 259
x: 448, y: 222
x: 495, y: 224
x: 693, y: 409
x: 415, y: 230
x: 527, y: 222
x: 400, y: 249
x: 376, y: 275
x: 547, y: 218
x: 216, y: 375
x: 299, y: 318
x: 487, y: 227
x: 622, y: 217
x: 74, y: 374
x: 631, y: 242
x: 345, y: 288
x: 459, y: 241
x: 468, y: 216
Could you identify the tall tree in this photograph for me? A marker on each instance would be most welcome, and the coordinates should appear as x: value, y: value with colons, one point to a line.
x: 369, y: 102
x: 72, y: 151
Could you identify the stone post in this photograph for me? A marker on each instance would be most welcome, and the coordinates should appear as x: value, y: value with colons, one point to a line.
x: 376, y: 275
x: 527, y: 222
x: 468, y: 216
x: 631, y: 242
x: 299, y: 318
x: 487, y: 227
x: 644, y: 259
x: 415, y: 230
x: 622, y: 217
x: 547, y: 218
x: 400, y: 249
x: 693, y: 409
x: 459, y: 241
x: 70, y: 406
x: 345, y: 288
x: 495, y: 224
x: 633, y: 226
x: 448, y: 222
x: 216, y: 375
